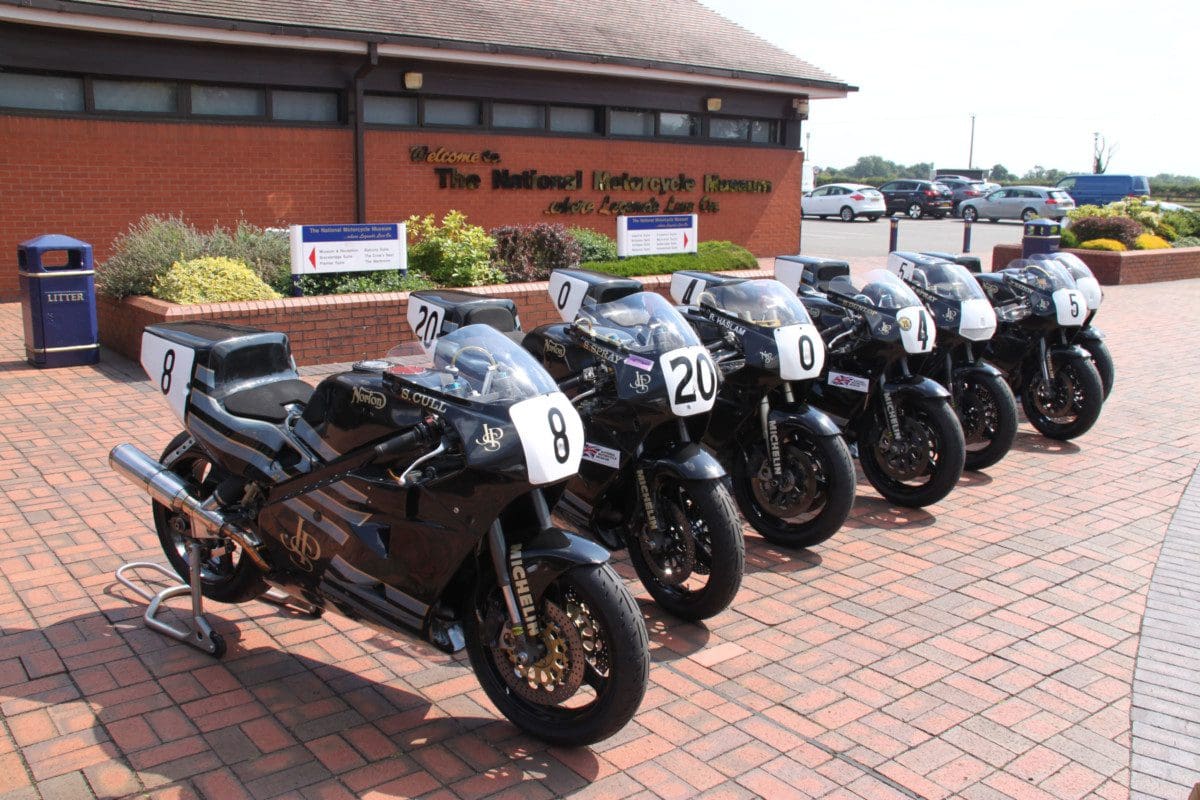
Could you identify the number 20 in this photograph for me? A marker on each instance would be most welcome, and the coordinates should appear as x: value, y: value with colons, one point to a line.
x: 703, y: 373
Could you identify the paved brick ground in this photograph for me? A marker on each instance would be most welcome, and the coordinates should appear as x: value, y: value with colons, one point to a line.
x: 982, y: 648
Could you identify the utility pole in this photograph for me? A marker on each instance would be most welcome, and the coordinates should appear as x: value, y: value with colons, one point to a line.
x: 971, y: 152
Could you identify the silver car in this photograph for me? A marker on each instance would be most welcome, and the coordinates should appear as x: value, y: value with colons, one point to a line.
x: 1019, y: 202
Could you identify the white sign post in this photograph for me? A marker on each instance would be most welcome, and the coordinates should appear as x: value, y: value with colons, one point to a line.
x: 656, y: 234
x: 318, y: 249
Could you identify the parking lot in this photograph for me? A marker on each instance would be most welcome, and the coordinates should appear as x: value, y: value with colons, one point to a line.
x: 836, y: 239
x: 984, y: 647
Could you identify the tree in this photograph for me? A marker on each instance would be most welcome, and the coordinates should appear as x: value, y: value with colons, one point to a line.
x: 1100, y: 155
x: 868, y: 166
x: 1000, y: 174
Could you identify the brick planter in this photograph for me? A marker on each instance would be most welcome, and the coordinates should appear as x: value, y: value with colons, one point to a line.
x: 1130, y: 266
x: 325, y: 329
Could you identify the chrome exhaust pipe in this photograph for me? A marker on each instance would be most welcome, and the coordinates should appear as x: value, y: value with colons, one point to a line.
x: 167, y: 488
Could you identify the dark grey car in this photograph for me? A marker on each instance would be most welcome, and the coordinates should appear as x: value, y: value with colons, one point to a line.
x: 963, y: 189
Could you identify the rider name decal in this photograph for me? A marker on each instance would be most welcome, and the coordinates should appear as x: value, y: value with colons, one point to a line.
x: 601, y: 352
x: 302, y: 546
x: 418, y: 399
x: 724, y: 322
x: 367, y: 397
x: 490, y: 438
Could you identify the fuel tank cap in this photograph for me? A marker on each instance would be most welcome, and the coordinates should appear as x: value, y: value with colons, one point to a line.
x: 371, y: 365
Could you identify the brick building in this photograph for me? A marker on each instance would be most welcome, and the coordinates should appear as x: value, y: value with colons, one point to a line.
x: 290, y: 113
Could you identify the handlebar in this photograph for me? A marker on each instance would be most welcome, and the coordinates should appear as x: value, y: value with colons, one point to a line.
x: 422, y: 434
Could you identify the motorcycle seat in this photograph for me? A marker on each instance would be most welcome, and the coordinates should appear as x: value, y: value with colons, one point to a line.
x: 602, y: 287
x: 268, y: 401
x: 464, y: 308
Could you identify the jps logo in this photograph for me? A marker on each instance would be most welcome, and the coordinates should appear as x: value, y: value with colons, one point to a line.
x: 951, y: 314
x: 555, y: 349
x: 368, y: 397
x: 303, y: 548
x: 490, y: 439
x: 641, y: 382
x: 768, y: 359
x: 886, y: 327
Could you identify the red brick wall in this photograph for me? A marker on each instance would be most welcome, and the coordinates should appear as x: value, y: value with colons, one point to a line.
x: 92, y: 178
x: 1134, y: 266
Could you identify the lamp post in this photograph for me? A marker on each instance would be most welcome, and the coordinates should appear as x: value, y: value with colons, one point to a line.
x: 971, y: 152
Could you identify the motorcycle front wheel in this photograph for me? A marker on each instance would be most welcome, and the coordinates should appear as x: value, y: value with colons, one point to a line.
x: 1098, y: 350
x: 987, y: 412
x: 592, y: 676
x: 812, y: 497
x: 692, y: 562
x: 227, y: 574
x: 1070, y: 405
x: 923, y: 465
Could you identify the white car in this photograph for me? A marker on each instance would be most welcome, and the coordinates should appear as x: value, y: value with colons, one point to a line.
x: 845, y: 200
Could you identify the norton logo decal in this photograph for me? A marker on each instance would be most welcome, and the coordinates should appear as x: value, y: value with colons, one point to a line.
x: 905, y: 324
x: 366, y: 396
x: 490, y: 439
x: 556, y: 349
x: 641, y: 382
x: 418, y: 399
x: 302, y: 546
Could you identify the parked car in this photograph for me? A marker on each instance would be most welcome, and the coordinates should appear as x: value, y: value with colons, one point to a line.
x: 917, y: 198
x: 845, y: 200
x: 1019, y: 202
x: 1098, y: 190
x: 963, y: 189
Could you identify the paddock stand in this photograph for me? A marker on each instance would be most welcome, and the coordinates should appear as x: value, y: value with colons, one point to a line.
x: 200, y: 634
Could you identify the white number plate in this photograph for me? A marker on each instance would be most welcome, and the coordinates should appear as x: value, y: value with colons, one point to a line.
x: 686, y: 289
x: 916, y: 329
x: 169, y: 367
x: 1071, y: 306
x: 801, y: 352
x: 691, y: 377
x: 425, y: 319
x: 551, y: 435
x: 567, y: 295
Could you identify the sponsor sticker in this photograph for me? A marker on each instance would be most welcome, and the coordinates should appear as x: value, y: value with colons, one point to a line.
x: 854, y: 383
x: 640, y: 363
x: 601, y: 455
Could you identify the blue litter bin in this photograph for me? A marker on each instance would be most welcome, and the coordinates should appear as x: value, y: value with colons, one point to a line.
x: 1041, y: 236
x: 58, y: 301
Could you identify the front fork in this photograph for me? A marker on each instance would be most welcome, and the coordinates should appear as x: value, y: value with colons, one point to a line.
x: 889, y: 405
x: 770, y: 433
x: 514, y: 586
x: 1047, y: 366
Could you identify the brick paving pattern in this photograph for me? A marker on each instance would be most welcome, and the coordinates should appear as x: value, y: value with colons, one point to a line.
x: 982, y: 648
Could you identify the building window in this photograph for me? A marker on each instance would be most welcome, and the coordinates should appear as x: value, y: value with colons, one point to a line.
x: 41, y: 92
x: 671, y: 124
x: 625, y: 122
x: 722, y: 128
x: 383, y: 110
x: 514, y: 115
x: 566, y: 119
x: 452, y: 112
x: 764, y: 131
x: 147, y: 97
x: 228, y: 101
x: 304, y: 106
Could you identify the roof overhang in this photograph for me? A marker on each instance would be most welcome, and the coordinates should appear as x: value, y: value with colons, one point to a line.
x: 128, y: 22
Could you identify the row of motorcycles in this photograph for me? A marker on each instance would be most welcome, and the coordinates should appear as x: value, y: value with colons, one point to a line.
x: 427, y: 500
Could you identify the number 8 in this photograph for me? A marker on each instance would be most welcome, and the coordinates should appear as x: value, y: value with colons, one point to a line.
x: 168, y: 367
x: 558, y: 427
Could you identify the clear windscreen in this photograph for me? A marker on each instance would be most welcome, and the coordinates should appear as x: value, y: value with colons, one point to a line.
x: 949, y: 280
x: 641, y: 322
x: 1072, y: 262
x: 765, y: 303
x: 480, y: 364
x: 1045, y: 275
x: 878, y: 288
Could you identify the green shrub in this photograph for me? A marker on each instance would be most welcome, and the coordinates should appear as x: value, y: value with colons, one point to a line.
x: 529, y: 252
x: 1103, y: 244
x: 1148, y: 241
x: 1167, y: 231
x: 595, y: 246
x: 211, y: 279
x: 710, y: 257
x: 267, y: 251
x: 1185, y: 223
x: 1123, y: 229
x: 384, y: 280
x: 1187, y: 241
x: 1069, y: 239
x: 145, y: 252
x: 454, y: 254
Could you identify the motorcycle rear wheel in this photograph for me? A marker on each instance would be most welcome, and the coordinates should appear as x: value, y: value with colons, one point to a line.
x: 988, y: 413
x: 597, y: 650
x: 934, y: 442
x: 228, y: 577
x: 1071, y: 406
x: 701, y: 539
x: 821, y: 473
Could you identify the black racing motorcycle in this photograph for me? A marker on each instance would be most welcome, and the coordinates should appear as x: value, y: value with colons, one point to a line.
x: 1040, y: 310
x: 793, y: 477
x: 965, y: 321
x: 909, y: 441
x: 415, y: 500
x: 1089, y: 337
x: 644, y: 386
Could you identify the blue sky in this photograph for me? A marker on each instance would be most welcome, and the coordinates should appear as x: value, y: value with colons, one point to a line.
x: 1040, y: 77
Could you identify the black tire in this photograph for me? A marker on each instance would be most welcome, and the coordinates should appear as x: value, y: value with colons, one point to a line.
x: 1071, y: 407
x: 602, y: 613
x: 228, y: 578
x: 821, y: 216
x: 993, y: 220
x: 872, y: 218
x: 1028, y: 214
x: 701, y: 541
x: 1103, y: 361
x: 970, y: 214
x: 847, y: 214
x: 915, y: 211
x: 218, y: 642
x: 818, y: 492
x: 987, y: 412
x: 927, y: 469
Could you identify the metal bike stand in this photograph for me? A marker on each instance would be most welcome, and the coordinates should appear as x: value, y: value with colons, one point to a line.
x: 200, y: 635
